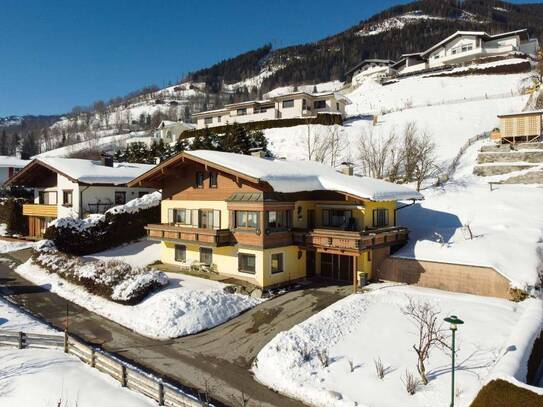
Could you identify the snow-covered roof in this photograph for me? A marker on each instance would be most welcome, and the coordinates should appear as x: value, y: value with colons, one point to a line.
x: 370, y: 61
x: 538, y: 112
x: 10, y: 161
x: 87, y: 171
x: 298, y: 176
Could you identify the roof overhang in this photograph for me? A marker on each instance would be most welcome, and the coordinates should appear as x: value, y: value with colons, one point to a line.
x: 29, y: 172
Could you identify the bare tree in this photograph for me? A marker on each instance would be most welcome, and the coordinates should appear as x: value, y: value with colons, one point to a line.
x: 336, y: 145
x: 426, y: 318
x: 316, y: 146
x: 426, y: 161
x: 375, y: 153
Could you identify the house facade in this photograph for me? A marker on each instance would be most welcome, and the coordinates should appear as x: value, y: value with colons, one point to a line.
x: 292, y: 105
x: 521, y: 127
x: 168, y: 131
x: 271, y: 222
x: 9, y: 166
x: 65, y: 187
x: 376, y: 69
x: 466, y: 46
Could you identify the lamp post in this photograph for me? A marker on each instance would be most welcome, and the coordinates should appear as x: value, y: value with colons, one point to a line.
x: 454, y: 321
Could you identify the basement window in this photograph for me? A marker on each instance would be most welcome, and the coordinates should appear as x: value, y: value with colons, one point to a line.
x: 246, y: 263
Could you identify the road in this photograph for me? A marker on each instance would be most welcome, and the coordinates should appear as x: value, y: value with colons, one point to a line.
x: 218, y: 359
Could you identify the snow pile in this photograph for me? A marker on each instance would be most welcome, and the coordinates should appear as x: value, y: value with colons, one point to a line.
x: 297, y: 176
x: 7, y: 246
x: 361, y: 328
x: 38, y: 377
x: 507, y: 225
x: 145, y: 202
x: 185, y: 306
x: 112, y: 279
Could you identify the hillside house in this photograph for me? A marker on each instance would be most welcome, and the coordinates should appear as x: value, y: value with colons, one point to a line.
x: 288, y: 106
x: 521, y: 127
x: 376, y: 69
x: 67, y: 187
x: 168, y: 131
x: 9, y: 166
x: 467, y: 46
x: 272, y: 221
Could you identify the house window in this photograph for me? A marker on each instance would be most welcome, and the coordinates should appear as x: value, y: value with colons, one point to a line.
x: 337, y: 106
x: 466, y: 48
x: 120, y: 197
x: 242, y: 112
x: 219, y: 119
x: 288, y: 103
x: 279, y: 219
x: 277, y: 263
x: 182, y: 216
x: 380, y: 218
x: 206, y: 255
x: 319, y: 104
x: 67, y: 198
x: 246, y: 263
x: 336, y: 217
x: 199, y: 182
x: 180, y: 253
x: 213, y: 179
x: 246, y: 219
x: 208, y: 120
x: 47, y: 197
x: 304, y: 104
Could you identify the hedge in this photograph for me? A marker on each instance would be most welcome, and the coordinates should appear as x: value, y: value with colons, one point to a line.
x: 500, y: 393
x: 520, y: 67
x: 11, y: 213
x: 326, y: 119
x: 112, y: 230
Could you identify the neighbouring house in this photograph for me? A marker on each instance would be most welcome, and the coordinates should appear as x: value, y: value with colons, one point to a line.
x: 67, y: 187
x: 288, y: 106
x: 167, y: 131
x: 376, y: 69
x: 271, y: 221
x: 521, y: 127
x: 9, y: 166
x: 467, y: 46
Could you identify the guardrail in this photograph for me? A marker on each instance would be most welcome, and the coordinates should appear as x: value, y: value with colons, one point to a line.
x: 133, y: 378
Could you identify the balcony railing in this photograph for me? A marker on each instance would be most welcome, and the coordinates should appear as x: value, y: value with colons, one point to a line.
x: 42, y: 210
x: 215, y: 237
x: 349, y: 240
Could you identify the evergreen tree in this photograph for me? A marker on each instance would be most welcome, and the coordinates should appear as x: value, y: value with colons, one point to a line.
x: 4, y: 149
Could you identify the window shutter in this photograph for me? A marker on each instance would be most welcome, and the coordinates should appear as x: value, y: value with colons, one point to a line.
x: 188, y: 218
x: 216, y: 219
x: 170, y: 215
x: 194, y: 218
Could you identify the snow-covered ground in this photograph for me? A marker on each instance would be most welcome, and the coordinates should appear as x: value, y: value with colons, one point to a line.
x: 44, y: 377
x: 364, y: 327
x: 507, y: 224
x: 7, y: 246
x: 185, y: 306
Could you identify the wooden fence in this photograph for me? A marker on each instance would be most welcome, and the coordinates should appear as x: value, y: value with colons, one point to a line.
x: 129, y: 376
x: 454, y: 164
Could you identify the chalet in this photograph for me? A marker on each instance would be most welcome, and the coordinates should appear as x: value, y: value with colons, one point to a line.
x: 66, y: 187
x: 168, y: 131
x: 376, y: 69
x: 467, y: 46
x: 272, y: 221
x: 288, y: 106
x: 521, y: 127
x: 10, y: 166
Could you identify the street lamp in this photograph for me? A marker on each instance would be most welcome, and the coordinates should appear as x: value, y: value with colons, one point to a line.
x: 454, y: 321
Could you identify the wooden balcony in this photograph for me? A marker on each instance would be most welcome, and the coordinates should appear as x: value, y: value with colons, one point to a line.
x: 212, y: 237
x: 41, y: 210
x: 349, y: 241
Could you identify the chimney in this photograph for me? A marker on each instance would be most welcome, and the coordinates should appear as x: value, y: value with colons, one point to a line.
x: 107, y: 160
x: 346, y: 168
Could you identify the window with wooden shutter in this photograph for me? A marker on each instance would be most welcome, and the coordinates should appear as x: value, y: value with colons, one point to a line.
x: 194, y: 218
x: 216, y: 219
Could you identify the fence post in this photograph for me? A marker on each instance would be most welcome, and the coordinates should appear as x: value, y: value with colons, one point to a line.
x: 65, y: 341
x: 21, y: 340
x: 123, y: 375
x: 160, y: 394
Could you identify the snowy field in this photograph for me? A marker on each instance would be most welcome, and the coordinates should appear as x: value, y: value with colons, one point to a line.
x: 44, y: 377
x: 185, y: 306
x: 507, y: 224
x: 364, y: 327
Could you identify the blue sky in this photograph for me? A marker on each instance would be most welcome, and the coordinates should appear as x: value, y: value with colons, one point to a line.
x: 58, y: 54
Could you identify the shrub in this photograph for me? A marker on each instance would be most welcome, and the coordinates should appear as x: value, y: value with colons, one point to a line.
x: 115, y: 280
x: 500, y: 393
x: 119, y: 225
x: 517, y: 295
x: 11, y: 213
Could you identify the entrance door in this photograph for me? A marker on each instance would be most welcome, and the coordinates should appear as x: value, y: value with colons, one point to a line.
x: 310, y: 264
x: 337, y: 267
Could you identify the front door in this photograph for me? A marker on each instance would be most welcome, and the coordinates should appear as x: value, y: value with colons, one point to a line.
x: 337, y: 267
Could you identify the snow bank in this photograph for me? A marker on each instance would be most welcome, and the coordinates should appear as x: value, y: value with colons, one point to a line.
x: 185, y: 306
x: 363, y: 327
x: 7, y: 246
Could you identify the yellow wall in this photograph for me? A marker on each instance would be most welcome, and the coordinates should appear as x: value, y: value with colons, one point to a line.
x: 294, y: 268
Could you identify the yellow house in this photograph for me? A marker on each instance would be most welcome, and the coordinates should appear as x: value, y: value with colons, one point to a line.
x: 271, y: 221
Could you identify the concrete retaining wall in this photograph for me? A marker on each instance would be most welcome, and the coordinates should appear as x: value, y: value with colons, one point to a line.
x: 488, y: 170
x: 511, y: 156
x: 477, y: 280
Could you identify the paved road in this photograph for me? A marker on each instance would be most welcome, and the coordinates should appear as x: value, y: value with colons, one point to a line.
x: 221, y: 356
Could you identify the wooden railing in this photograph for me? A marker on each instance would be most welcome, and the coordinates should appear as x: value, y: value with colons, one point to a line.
x: 49, y: 211
x: 217, y: 237
x: 350, y: 240
x: 136, y: 379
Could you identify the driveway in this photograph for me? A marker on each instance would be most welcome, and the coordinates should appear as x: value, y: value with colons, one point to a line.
x: 218, y: 359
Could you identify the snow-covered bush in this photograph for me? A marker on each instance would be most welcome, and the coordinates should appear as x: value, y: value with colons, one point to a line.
x: 118, y: 225
x: 114, y: 280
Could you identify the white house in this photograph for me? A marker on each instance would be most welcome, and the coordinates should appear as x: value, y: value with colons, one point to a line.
x: 9, y: 166
x: 376, y: 69
x: 67, y: 187
x: 466, y: 46
x: 291, y: 105
x: 167, y: 131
